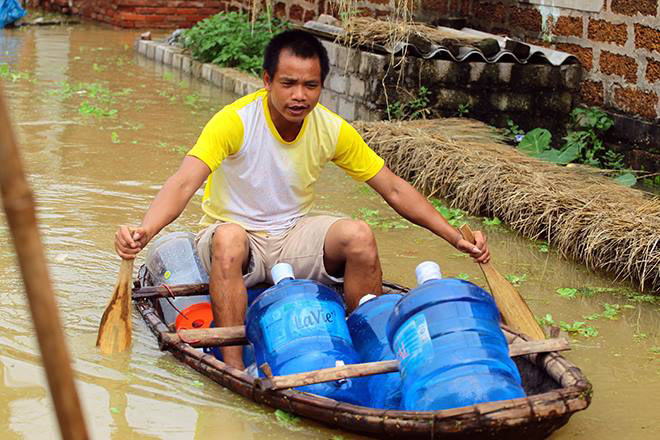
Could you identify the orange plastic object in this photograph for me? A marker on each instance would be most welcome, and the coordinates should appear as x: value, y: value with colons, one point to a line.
x: 196, y: 316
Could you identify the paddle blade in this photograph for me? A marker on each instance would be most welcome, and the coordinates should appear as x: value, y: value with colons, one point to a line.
x: 515, y: 311
x: 115, y: 330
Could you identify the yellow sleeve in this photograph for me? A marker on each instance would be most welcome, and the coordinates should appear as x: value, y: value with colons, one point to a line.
x: 354, y: 156
x: 221, y: 137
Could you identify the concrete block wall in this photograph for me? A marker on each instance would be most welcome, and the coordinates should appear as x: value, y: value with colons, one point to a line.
x: 353, y: 82
x: 617, y: 42
x: 361, y: 84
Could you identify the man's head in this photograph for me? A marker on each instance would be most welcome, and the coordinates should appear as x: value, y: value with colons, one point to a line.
x: 295, y: 66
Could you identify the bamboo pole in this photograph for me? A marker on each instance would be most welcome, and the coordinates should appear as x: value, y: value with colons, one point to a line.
x: 207, y: 337
x: 18, y: 204
x: 382, y: 367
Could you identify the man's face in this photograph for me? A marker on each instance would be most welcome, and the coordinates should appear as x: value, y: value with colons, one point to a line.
x: 296, y: 87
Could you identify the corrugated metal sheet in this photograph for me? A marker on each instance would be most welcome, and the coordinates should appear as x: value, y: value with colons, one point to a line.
x: 509, y: 51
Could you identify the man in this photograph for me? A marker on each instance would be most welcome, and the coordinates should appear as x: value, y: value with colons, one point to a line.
x: 262, y: 155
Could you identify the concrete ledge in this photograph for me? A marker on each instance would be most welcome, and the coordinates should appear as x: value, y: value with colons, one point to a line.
x: 228, y: 79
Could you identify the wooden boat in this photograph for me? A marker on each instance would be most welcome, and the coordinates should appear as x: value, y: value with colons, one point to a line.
x: 555, y: 388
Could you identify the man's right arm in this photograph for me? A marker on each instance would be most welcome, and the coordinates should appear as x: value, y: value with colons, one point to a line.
x: 168, y: 204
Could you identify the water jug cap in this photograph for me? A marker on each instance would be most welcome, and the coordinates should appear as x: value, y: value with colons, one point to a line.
x: 281, y: 271
x: 427, y: 270
x: 366, y: 298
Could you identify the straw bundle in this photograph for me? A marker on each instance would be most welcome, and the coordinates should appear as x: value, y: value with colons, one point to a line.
x: 367, y: 31
x: 585, y: 216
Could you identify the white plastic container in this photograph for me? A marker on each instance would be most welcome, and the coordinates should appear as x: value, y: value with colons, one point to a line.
x: 171, y: 260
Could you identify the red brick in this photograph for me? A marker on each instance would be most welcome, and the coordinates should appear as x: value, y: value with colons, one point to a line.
x: 621, y: 65
x: 490, y: 13
x: 633, y: 100
x: 186, y: 11
x: 437, y: 7
x: 296, y: 12
x: 381, y: 14
x: 280, y: 10
x: 568, y: 26
x: 309, y: 15
x: 130, y: 16
x: 652, y: 70
x: 647, y: 38
x: 592, y: 93
x: 601, y: 30
x: 633, y: 7
x: 379, y: 2
x: 584, y: 54
x: 528, y: 19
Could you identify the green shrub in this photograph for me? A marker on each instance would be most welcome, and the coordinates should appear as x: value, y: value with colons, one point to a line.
x: 229, y: 39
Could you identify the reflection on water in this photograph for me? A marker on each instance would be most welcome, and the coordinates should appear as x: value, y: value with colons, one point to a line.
x: 92, y: 172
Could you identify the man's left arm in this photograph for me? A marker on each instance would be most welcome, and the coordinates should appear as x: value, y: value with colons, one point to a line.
x: 413, y: 206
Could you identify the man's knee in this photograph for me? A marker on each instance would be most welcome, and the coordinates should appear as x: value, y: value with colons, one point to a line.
x: 229, y: 247
x: 358, y: 239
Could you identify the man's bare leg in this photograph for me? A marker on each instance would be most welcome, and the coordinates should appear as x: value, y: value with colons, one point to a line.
x: 230, y: 252
x: 350, y: 248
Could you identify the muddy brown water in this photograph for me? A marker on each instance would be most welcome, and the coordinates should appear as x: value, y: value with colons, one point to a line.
x: 92, y: 173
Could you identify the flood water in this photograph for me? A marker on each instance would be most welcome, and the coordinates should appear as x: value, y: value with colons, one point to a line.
x: 91, y: 173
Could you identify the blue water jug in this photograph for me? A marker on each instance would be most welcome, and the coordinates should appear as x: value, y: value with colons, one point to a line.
x: 368, y: 327
x: 298, y: 326
x: 451, y: 349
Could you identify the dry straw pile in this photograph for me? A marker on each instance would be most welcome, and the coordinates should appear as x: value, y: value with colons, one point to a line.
x: 366, y: 31
x: 585, y: 216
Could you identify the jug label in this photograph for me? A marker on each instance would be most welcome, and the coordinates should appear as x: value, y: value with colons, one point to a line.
x: 412, y: 343
x: 282, y: 324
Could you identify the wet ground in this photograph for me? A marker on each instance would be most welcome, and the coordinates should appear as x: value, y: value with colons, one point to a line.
x: 101, y: 128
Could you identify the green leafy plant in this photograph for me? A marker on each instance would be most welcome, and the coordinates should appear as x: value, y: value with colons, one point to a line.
x: 582, y: 144
x: 87, y: 109
x: 611, y: 311
x: 492, y: 221
x: 463, y: 110
x: 516, y: 280
x: 543, y: 247
x: 512, y: 130
x: 372, y: 218
x: 7, y: 73
x: 546, y: 321
x: 114, y: 137
x: 579, y: 327
x: 463, y: 276
x: 416, y: 108
x: 567, y: 292
x: 453, y: 216
x: 230, y: 39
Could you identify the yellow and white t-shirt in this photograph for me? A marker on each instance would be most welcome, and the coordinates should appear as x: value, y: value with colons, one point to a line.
x: 264, y: 183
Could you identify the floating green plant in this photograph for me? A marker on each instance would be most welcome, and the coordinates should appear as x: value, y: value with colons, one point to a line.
x: 87, y: 109
x: 463, y: 276
x: 579, y: 327
x: 567, y: 292
x: 492, y: 221
x: 114, y: 137
x: 516, y: 280
x: 453, y: 216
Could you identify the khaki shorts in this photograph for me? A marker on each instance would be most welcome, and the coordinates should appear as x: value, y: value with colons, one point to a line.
x: 301, y: 247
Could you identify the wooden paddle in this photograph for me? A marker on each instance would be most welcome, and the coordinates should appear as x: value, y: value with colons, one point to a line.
x: 515, y: 311
x: 115, y: 328
x: 18, y: 203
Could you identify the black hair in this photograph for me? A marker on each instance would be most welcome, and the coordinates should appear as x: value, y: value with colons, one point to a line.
x: 302, y: 44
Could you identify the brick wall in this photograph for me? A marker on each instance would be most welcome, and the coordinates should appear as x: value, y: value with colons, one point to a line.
x: 618, y: 45
x: 167, y: 14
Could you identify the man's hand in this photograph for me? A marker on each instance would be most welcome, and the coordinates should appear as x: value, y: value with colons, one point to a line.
x: 130, y: 241
x: 479, y: 251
